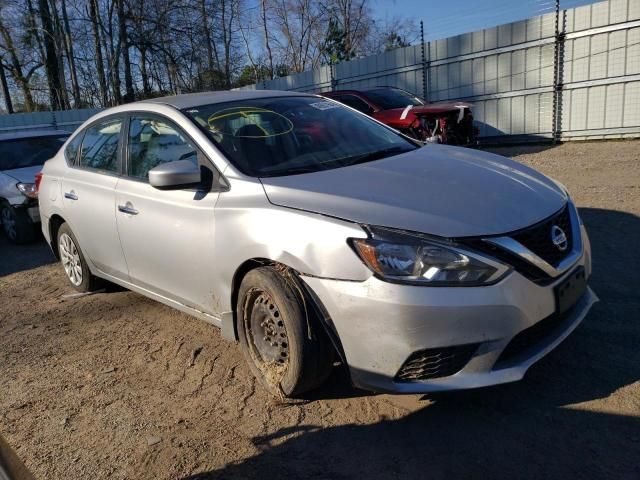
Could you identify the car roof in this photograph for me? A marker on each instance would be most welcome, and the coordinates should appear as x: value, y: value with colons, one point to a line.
x: 189, y: 100
x: 32, y: 134
x: 366, y: 89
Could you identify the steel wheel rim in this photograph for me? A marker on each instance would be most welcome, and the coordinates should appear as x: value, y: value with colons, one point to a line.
x: 70, y: 258
x: 9, y: 222
x: 266, y: 331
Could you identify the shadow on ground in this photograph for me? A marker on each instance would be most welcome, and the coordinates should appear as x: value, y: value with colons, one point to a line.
x: 537, y: 428
x: 511, y: 151
x: 16, y: 258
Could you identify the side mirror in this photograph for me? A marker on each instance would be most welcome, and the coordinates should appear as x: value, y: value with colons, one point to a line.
x: 175, y: 175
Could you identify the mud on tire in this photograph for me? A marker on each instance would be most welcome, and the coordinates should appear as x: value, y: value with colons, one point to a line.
x: 284, y: 343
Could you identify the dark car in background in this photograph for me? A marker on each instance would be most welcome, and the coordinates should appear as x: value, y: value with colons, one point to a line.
x: 22, y: 155
x: 449, y: 123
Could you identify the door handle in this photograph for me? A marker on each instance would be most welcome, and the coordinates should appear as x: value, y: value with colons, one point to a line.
x: 71, y: 195
x: 128, y: 209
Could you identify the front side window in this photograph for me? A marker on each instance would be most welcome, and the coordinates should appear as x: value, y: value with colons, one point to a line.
x: 29, y: 152
x: 153, y: 141
x: 100, y: 146
x: 278, y: 136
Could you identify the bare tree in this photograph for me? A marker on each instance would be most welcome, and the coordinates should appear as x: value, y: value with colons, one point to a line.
x: 68, y: 45
x: 16, y: 67
x: 5, y: 88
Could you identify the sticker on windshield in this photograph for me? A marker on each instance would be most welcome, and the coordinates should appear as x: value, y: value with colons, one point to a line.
x: 324, y: 105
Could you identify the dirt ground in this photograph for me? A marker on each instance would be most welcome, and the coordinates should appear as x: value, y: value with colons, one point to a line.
x: 107, y: 386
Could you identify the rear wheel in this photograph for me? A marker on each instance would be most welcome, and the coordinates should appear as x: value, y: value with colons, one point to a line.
x: 73, y: 261
x: 285, y: 346
x: 16, y: 224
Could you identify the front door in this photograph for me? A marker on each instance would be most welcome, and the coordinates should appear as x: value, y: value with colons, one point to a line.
x: 167, y: 235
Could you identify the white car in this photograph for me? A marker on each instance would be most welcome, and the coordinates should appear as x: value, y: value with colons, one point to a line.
x: 305, y: 229
x: 22, y: 155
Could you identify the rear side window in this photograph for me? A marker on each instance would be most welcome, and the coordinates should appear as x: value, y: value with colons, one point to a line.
x: 153, y: 141
x: 71, y: 152
x: 100, y: 146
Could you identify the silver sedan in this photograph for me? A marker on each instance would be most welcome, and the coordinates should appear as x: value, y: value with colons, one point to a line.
x: 309, y: 233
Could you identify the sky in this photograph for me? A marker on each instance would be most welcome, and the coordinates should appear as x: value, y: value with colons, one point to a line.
x: 444, y: 18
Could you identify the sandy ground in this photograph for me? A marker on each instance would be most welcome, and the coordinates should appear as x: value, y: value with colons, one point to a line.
x: 107, y: 386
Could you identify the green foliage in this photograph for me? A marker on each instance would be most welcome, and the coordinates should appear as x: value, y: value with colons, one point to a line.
x: 393, y: 40
x: 335, y: 48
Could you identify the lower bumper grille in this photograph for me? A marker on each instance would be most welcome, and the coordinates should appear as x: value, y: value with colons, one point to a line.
x: 435, y: 363
x: 532, y: 336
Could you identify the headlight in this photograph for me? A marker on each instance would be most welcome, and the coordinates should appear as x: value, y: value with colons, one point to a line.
x: 414, y: 259
x: 28, y: 189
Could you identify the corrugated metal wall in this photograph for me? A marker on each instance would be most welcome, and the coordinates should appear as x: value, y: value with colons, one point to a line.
x: 508, y: 73
x: 59, y: 120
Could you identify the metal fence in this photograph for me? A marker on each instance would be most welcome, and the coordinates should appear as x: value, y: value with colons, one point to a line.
x: 577, y: 79
x: 59, y: 120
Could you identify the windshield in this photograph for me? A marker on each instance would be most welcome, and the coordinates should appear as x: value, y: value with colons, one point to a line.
x: 29, y: 152
x: 288, y: 135
x: 388, y: 98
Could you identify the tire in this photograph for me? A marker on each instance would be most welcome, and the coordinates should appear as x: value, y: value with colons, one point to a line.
x: 73, y: 261
x: 16, y: 224
x: 286, y: 347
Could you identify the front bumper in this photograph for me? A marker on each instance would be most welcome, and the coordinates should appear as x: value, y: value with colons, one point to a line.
x: 380, y: 325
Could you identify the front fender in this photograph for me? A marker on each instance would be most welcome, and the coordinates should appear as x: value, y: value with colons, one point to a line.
x: 248, y: 227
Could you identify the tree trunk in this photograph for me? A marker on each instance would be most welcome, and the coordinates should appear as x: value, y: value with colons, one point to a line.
x: 124, y: 47
x: 58, y: 37
x: 146, y: 87
x: 70, y: 57
x: 266, y: 38
x: 16, y: 68
x: 33, y: 28
x: 93, y: 12
x: 207, y: 34
x: 113, y: 59
x: 51, y: 57
x: 227, y: 37
x: 5, y: 89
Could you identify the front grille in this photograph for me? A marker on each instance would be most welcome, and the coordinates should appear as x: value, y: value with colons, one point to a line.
x: 522, y: 266
x: 538, y: 237
x: 435, y: 363
x: 532, y: 337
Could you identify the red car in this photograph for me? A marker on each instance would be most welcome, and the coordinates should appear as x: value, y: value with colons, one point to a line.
x: 450, y: 123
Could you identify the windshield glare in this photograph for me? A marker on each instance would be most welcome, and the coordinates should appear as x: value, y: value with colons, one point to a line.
x: 388, y: 98
x: 29, y: 152
x: 288, y: 135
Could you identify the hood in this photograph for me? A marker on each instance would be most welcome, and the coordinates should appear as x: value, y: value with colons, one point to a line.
x: 24, y: 175
x: 436, y: 189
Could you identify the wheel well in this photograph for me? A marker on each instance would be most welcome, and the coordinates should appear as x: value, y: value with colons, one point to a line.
x: 253, y: 263
x: 54, y: 225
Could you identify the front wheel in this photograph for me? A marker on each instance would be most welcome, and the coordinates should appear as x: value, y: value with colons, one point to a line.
x: 285, y: 346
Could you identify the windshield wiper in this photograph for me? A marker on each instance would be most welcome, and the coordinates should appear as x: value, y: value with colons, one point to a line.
x: 292, y: 170
x: 340, y: 162
x: 377, y: 155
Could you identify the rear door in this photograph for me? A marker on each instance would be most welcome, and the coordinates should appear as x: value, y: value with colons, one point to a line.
x: 89, y: 195
x: 167, y: 235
